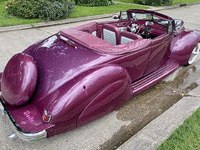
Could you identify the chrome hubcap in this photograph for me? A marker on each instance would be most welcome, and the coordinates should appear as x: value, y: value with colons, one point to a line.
x: 194, y: 54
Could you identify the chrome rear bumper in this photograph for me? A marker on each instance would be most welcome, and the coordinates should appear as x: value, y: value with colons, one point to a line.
x: 26, y: 136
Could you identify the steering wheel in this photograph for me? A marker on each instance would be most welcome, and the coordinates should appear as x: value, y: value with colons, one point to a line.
x: 144, y: 26
x: 140, y: 28
x: 134, y: 28
x: 145, y: 32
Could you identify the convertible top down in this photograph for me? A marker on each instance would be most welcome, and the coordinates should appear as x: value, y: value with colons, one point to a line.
x: 81, y: 74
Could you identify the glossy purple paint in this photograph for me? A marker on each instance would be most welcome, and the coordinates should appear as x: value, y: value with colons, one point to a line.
x: 82, y: 77
x: 184, y: 43
x: 19, y: 79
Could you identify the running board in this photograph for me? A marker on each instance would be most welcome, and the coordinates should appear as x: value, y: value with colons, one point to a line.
x: 154, y: 77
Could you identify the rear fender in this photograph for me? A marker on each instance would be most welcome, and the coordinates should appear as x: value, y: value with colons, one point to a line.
x: 183, y: 45
x: 111, y: 98
x: 70, y: 105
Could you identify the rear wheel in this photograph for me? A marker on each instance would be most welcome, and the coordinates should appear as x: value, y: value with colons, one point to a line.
x: 194, y: 54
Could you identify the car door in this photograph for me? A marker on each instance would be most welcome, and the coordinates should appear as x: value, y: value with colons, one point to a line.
x: 160, y: 49
x: 134, y: 62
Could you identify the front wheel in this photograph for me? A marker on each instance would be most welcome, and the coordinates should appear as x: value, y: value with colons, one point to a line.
x: 194, y: 54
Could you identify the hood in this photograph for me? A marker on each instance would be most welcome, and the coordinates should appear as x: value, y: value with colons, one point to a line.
x: 58, y: 62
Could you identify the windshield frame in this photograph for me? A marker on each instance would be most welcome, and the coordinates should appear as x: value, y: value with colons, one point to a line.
x: 162, y: 16
x: 138, y: 16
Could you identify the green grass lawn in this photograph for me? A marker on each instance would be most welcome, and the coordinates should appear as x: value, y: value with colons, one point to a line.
x: 82, y: 11
x: 186, y: 137
x: 175, y: 2
x: 79, y: 11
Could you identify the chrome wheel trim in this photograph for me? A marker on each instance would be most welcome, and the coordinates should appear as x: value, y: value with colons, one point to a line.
x: 194, y: 54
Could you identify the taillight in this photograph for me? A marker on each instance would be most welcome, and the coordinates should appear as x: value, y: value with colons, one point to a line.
x: 46, y: 117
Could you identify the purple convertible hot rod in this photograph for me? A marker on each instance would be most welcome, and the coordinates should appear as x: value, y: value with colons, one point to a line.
x: 81, y: 74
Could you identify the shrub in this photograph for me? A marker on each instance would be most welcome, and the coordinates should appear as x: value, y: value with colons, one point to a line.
x: 158, y: 2
x: 55, y: 9
x: 44, y: 9
x: 154, y: 2
x: 139, y: 1
x: 94, y: 2
x: 23, y: 8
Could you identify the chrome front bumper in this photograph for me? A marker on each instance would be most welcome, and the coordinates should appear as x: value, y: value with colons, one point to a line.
x: 26, y: 136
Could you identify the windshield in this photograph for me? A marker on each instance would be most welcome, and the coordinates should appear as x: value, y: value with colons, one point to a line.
x: 141, y: 16
x: 123, y: 15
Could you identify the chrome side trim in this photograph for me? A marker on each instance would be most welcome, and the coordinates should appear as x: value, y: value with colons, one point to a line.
x: 26, y: 136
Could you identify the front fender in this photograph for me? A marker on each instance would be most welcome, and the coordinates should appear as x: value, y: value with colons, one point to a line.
x: 69, y: 106
x: 183, y: 45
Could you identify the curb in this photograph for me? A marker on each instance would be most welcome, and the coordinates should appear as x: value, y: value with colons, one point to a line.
x: 17, y: 27
x: 73, y: 20
x: 158, y: 130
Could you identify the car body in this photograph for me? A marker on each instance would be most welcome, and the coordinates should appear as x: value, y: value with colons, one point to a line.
x: 81, y: 74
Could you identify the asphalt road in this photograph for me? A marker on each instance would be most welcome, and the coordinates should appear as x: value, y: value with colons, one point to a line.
x: 99, y: 134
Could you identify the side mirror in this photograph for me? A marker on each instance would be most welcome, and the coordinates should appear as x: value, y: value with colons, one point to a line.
x: 123, y: 15
x: 178, y: 26
x: 115, y: 16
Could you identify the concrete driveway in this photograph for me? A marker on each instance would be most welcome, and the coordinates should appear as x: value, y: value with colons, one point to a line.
x: 96, y: 135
